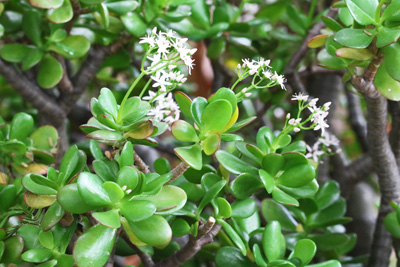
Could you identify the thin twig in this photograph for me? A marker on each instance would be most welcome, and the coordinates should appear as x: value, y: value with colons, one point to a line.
x: 357, y: 120
x: 140, y: 164
x: 146, y: 259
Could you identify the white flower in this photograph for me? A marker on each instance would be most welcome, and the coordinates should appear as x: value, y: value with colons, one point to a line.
x: 268, y: 74
x: 148, y: 40
x: 280, y: 79
x: 161, y: 80
x: 300, y: 97
x: 328, y: 140
x: 313, y: 102
x: 294, y: 122
x: 165, y: 109
x: 314, y: 152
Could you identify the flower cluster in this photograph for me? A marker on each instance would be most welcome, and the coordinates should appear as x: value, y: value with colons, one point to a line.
x: 263, y: 75
x: 323, y: 146
x: 166, y: 53
x: 317, y: 117
x: 164, y: 108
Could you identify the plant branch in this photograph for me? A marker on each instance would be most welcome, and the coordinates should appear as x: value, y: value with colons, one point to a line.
x: 146, y: 259
x: 140, y: 163
x: 31, y: 93
x: 178, y: 171
x: 205, y: 235
x: 110, y: 261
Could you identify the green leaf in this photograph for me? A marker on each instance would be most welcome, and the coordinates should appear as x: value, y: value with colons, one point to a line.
x: 297, y: 176
x: 137, y: 209
x: 141, y: 131
x: 195, y: 176
x: 162, y: 166
x: 127, y: 154
x: 330, y: 62
x: 33, y: 57
x: 180, y: 227
x: 46, y: 239
x: 272, y: 163
x: 216, y: 116
x: 363, y: 11
x: 36, y: 188
x: 245, y: 185
x: 283, y: 198
x: 216, y: 48
x: 392, y: 55
x: 211, y: 144
x: 317, y: 41
x: 355, y: 38
x: 93, y: 247
x: 191, y: 155
x: 44, y: 138
x: 196, y: 109
x: 392, y: 11
x: 327, y: 194
x: 108, y: 103
x: 330, y: 263
x: 227, y: 94
x: 231, y: 256
x: 169, y: 200
x: 331, y: 23
x: 233, y: 236
x: 114, y: 191
x: 200, y: 15
x: 53, y: 215
x: 184, y: 103
x: 21, y: 126
x: 386, y: 85
x: 7, y: 196
x: 273, y: 211
x: 72, y: 47
x: 234, y: 164
x: 95, y: 149
x: 128, y: 176
x: 71, y: 201
x: 62, y: 14
x: 91, y: 190
x: 272, y: 241
x: 392, y: 224
x: 14, y: 53
x: 105, y: 136
x: 108, y: 218
x: 50, y: 72
x: 13, y: 249
x: 36, y: 255
x: 211, y: 194
x: 224, y: 208
x: 243, y: 208
x: 267, y: 180
x: 326, y: 242
x: 328, y: 215
x: 304, y: 250
x: 45, y: 4
x: 184, y: 132
x: 31, y: 24
x: 134, y: 24
x: 105, y: 169
x: 264, y: 139
x: 68, y: 164
x: 154, y: 231
x: 387, y: 36
x: 122, y: 7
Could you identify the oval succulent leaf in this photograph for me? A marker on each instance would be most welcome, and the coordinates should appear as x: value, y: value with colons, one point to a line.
x: 91, y: 190
x: 154, y: 231
x: 354, y: 38
x: 216, y: 116
x: 184, y: 132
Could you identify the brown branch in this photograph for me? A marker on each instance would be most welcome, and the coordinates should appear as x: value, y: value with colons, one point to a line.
x: 31, y: 93
x: 140, y: 163
x: 205, y: 235
x: 178, y: 171
x: 356, y: 118
x: 146, y: 259
x: 394, y: 137
x: 65, y: 84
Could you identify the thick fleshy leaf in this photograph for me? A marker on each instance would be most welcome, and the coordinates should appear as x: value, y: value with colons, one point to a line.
x: 191, y: 155
x: 128, y: 176
x: 386, y: 85
x: 180, y: 227
x: 326, y: 242
x: 44, y: 138
x: 38, y: 201
x: 105, y: 136
x: 392, y: 12
x: 272, y: 163
x: 33, y: 57
x: 31, y: 168
x: 68, y: 164
x: 330, y: 263
x: 108, y: 218
x: 264, y: 139
x: 71, y: 201
x: 168, y: 200
x: 304, y: 250
x: 93, y: 247
x: 29, y: 234
x: 45, y: 4
x: 126, y: 156
x: 227, y: 94
x: 297, y: 176
x: 327, y: 194
x: 352, y: 53
x: 14, y: 53
x: 283, y: 198
x: 231, y: 256
x: 258, y: 256
x: 50, y: 72
x: 122, y: 7
x: 317, y: 41
x: 211, y: 144
x: 233, y: 236
x: 223, y: 207
x: 184, y: 103
x: 197, y: 108
x: 36, y: 188
x: 31, y: 24
x: 272, y: 241
x: 114, y: 191
x: 136, y: 209
x: 387, y: 36
x: 72, y: 47
x: 328, y: 215
x: 134, y: 24
x: 211, y: 194
x: 91, y: 190
x: 363, y: 11
x: 184, y: 132
x: 21, y: 126
x: 141, y: 131
x: 53, y: 215
x: 154, y: 231
x: 216, y: 116
x: 392, y: 55
x: 46, y: 239
x: 162, y: 166
x: 108, y: 103
x: 392, y: 224
x: 304, y: 191
x: 37, y: 255
x: 105, y: 169
x: 355, y: 38
x: 330, y: 62
x: 273, y: 211
x: 245, y: 185
x: 7, y: 196
x: 13, y: 249
x: 234, y: 164
x: 95, y: 149
x: 243, y: 208
x: 331, y: 23
x: 62, y: 14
